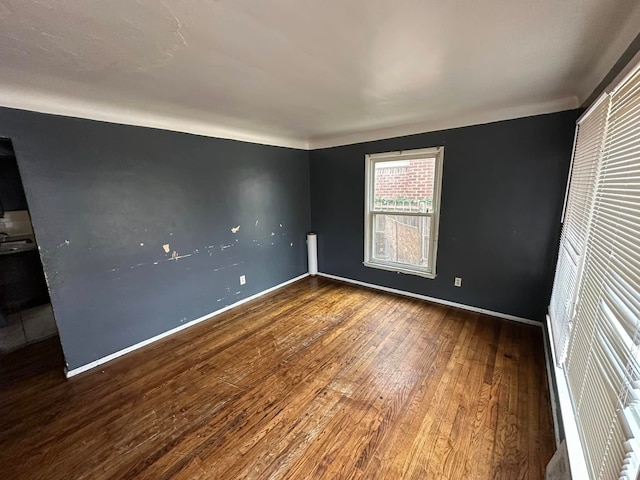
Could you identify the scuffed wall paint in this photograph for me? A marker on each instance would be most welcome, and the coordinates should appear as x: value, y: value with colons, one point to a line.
x: 134, y: 224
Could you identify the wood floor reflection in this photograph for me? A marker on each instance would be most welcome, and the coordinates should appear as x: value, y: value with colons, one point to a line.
x: 317, y: 380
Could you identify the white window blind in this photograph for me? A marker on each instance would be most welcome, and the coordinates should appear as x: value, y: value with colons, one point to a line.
x: 601, y: 364
x: 578, y: 205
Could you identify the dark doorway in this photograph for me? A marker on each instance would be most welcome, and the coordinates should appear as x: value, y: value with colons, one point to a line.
x: 25, y: 311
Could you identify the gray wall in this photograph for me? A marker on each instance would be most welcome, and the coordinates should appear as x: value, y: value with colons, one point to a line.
x: 105, y: 198
x: 502, y: 195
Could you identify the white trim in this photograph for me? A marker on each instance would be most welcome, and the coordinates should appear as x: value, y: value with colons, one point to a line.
x: 547, y: 345
x: 566, y: 190
x: 124, y: 351
x: 577, y: 460
x: 406, y: 155
x: 436, y: 206
x: 399, y: 268
x: 68, y: 106
x: 601, y: 98
x: 463, y: 120
x: 505, y: 316
x: 371, y: 162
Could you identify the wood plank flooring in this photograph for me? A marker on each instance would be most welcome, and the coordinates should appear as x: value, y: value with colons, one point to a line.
x: 317, y: 380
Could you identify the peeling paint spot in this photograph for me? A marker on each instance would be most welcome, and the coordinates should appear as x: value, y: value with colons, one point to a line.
x: 66, y: 242
x: 142, y: 244
x: 227, y: 266
x: 280, y: 225
x: 176, y: 256
x: 166, y: 248
x: 273, y: 234
x: 156, y: 263
x: 235, y: 229
x: 257, y: 222
x: 171, y: 234
x: 292, y: 244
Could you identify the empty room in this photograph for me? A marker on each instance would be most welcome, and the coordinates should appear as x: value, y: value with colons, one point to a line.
x: 278, y: 239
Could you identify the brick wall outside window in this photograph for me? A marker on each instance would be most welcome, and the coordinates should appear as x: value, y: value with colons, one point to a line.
x: 411, y: 181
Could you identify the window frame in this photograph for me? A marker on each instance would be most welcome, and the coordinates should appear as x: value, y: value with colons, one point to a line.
x: 598, y: 348
x: 437, y: 153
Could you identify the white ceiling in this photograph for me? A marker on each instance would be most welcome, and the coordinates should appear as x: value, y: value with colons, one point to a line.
x: 308, y: 73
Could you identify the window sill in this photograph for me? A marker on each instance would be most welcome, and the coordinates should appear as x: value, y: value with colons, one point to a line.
x: 398, y: 269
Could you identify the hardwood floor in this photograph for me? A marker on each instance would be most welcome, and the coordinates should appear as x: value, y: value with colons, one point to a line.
x: 317, y: 380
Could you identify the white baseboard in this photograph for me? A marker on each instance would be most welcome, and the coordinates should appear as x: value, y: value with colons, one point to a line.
x: 506, y: 316
x: 124, y: 351
x: 548, y: 361
x: 577, y: 460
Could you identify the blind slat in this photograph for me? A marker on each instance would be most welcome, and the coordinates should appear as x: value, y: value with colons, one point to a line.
x: 601, y: 236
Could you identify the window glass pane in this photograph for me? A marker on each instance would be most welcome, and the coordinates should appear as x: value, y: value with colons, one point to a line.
x: 404, y: 185
x: 402, y: 239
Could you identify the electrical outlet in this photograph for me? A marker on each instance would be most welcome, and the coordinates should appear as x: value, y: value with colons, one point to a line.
x: 243, y: 279
x: 457, y: 282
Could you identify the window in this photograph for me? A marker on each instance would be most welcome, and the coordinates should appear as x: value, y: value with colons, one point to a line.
x: 402, y: 207
x: 595, y: 306
x: 576, y: 221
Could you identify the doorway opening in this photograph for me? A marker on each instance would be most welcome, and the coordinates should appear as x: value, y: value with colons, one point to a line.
x: 26, y: 315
